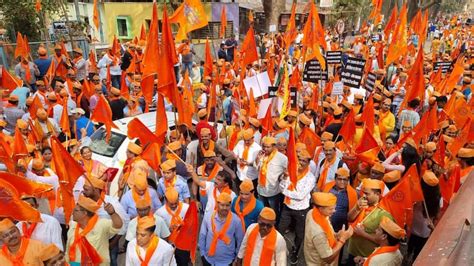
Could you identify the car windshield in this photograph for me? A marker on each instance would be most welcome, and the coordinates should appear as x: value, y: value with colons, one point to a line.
x: 100, y: 146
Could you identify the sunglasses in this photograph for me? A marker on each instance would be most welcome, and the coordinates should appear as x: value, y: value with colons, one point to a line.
x: 266, y: 225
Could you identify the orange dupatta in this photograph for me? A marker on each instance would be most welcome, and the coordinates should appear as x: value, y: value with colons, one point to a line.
x: 233, y: 139
x: 136, y: 197
x: 268, y: 247
x: 262, y: 177
x: 324, y: 173
x: 211, y: 147
x: 247, y: 209
x: 149, y: 251
x: 175, y: 220
x: 17, y: 259
x: 28, y: 231
x: 381, y: 250
x: 219, y: 235
x: 209, y: 177
x: 325, y: 225
x: 87, y: 250
x: 26, y: 67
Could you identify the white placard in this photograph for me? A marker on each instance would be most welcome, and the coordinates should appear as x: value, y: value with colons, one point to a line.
x: 263, y: 107
x: 337, y: 88
x: 258, y: 83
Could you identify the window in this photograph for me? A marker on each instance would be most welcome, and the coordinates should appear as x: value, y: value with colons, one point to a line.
x: 123, y: 27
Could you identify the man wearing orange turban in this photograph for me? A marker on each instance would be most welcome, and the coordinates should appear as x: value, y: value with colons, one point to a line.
x: 246, y: 152
x: 246, y: 205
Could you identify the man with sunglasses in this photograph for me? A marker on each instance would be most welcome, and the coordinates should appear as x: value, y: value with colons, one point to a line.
x: 296, y: 203
x: 259, y: 235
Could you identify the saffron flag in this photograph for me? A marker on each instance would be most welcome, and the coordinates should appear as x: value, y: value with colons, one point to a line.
x: 9, y: 81
x: 13, y: 206
x: 249, y: 48
x: 391, y: 21
x: 96, y: 16
x: 313, y: 38
x: 310, y: 139
x: 415, y: 84
x: 161, y: 118
x: 291, y: 32
x: 369, y: 156
x: 152, y: 49
x: 368, y: 115
x: 398, y: 47
x: 348, y: 128
x: 68, y: 171
x: 64, y: 121
x: 455, y: 75
x: 6, y: 155
x: 191, y: 16
x: 188, y: 233
x: 461, y: 139
x: 20, y: 49
x: 223, y: 22
x: 208, y: 60
x: 136, y: 129
x: 25, y: 186
x: 143, y: 33
x: 152, y: 155
x: 103, y: 114
x: 38, y: 6
x: 367, y: 142
x: 267, y: 123
x: 19, y: 146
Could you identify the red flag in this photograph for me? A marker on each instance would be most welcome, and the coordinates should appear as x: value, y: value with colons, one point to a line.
x: 368, y: 115
x: 9, y: 81
x: 136, y: 129
x: 68, y: 171
x: 208, y: 60
x: 188, y: 233
x: 291, y: 32
x: 348, y: 128
x: 223, y: 22
x: 249, y: 48
x: 367, y: 142
x: 152, y: 155
x: 267, y: 123
x: 95, y: 16
x: 292, y: 158
x: 13, y: 207
x: 103, y: 114
x: 161, y: 118
x: 143, y: 33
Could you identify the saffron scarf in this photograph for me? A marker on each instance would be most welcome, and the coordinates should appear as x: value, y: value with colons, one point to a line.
x: 175, y: 220
x: 219, y: 235
x: 324, y: 173
x: 150, y: 250
x: 381, y: 250
x: 88, y: 252
x: 262, y: 178
x: 247, y: 209
x: 323, y: 221
x: 268, y: 247
x: 17, y: 259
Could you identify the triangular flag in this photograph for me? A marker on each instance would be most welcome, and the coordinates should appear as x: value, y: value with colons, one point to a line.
x: 103, y: 114
x: 188, y: 233
x: 13, y: 206
x: 152, y: 155
x: 136, y: 129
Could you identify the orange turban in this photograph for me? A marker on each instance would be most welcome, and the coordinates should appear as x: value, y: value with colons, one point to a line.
x: 205, y: 131
x: 168, y: 165
x: 21, y: 124
x: 329, y: 145
x: 430, y: 178
x: 326, y: 136
x: 96, y: 182
x: 145, y: 222
x: 209, y: 154
x: 41, y: 114
x: 269, y: 141
x: 268, y: 214
x: 142, y: 203
x: 392, y: 228
x: 324, y: 199
x: 224, y: 197
x: 172, y: 195
x: 248, y: 134
x: 141, y: 181
x: 304, y: 154
x: 134, y: 148
x: 87, y: 203
x: 49, y: 252
x: 6, y: 224
x: 392, y: 176
x: 343, y: 172
x: 373, y: 184
x: 246, y: 186
x: 378, y: 167
x: 38, y: 164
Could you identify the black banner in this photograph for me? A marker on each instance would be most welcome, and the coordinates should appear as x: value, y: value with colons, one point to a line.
x: 272, y: 91
x: 352, y: 72
x: 333, y: 57
x: 313, y: 72
x: 370, y: 81
x: 293, y: 97
x: 445, y: 66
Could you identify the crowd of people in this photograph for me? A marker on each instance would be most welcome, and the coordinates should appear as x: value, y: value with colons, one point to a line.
x: 307, y: 186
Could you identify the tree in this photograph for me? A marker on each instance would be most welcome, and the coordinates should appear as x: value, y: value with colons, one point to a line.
x: 272, y: 9
x: 21, y: 16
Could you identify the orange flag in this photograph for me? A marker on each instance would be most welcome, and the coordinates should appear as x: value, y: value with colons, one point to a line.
x: 9, y: 81
x: 252, y: 112
x: 448, y: 186
x: 167, y: 60
x: 188, y: 233
x: 19, y: 145
x: 96, y: 16
x: 20, y: 49
x: 459, y: 112
x: 185, y: 105
x: 292, y: 158
x: 86, y: 88
x: 399, y: 201
x: 427, y: 124
x: 250, y: 16
x: 368, y: 115
x: 64, y: 121
x: 103, y: 114
x: 161, y: 118
x: 416, y: 82
x: 136, y: 129
x: 208, y: 60
x: 267, y: 123
x: 38, y: 6
x: 291, y: 32
x: 6, y: 155
x: 124, y: 92
x: 25, y: 186
x: 348, y: 128
x: 295, y: 79
x: 223, y: 22
x: 152, y: 155
x: 398, y: 47
x: 416, y: 23
x: 313, y: 38
x: 367, y: 142
x: 461, y: 139
x: 455, y: 75
x: 191, y: 16
x: 13, y: 206
x: 143, y: 33
x: 249, y: 48
x: 310, y: 139
x: 152, y: 49
x: 68, y: 171
x: 440, y: 153
x: 369, y: 156
x: 314, y: 102
x: 391, y: 21
x: 424, y: 27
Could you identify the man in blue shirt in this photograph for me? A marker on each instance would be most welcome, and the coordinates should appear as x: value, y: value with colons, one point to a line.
x: 81, y: 123
x: 246, y: 206
x: 170, y: 179
x: 43, y: 62
x: 221, y: 234
x: 230, y: 45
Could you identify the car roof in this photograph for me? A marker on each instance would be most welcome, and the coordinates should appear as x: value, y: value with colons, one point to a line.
x: 148, y: 119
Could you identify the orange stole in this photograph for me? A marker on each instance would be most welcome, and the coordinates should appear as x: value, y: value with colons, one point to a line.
x: 324, y: 173
x: 247, y: 209
x: 325, y: 225
x: 221, y: 234
x: 87, y: 250
x: 175, y: 220
x: 17, y: 259
x: 268, y: 247
x: 262, y: 178
x: 149, y: 251
x: 381, y: 250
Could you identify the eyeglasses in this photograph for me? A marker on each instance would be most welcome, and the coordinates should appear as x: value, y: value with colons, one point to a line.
x: 342, y: 179
x: 262, y: 224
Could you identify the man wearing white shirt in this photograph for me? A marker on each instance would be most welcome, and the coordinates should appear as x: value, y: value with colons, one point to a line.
x: 115, y: 71
x: 246, y: 152
x: 39, y: 173
x: 48, y: 231
x: 147, y: 248
x: 297, y: 201
x: 144, y: 209
x: 271, y: 164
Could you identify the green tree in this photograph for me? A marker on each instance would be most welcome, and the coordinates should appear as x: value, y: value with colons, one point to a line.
x: 21, y: 16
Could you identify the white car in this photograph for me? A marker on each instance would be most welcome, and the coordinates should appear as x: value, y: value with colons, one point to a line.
x: 113, y: 154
